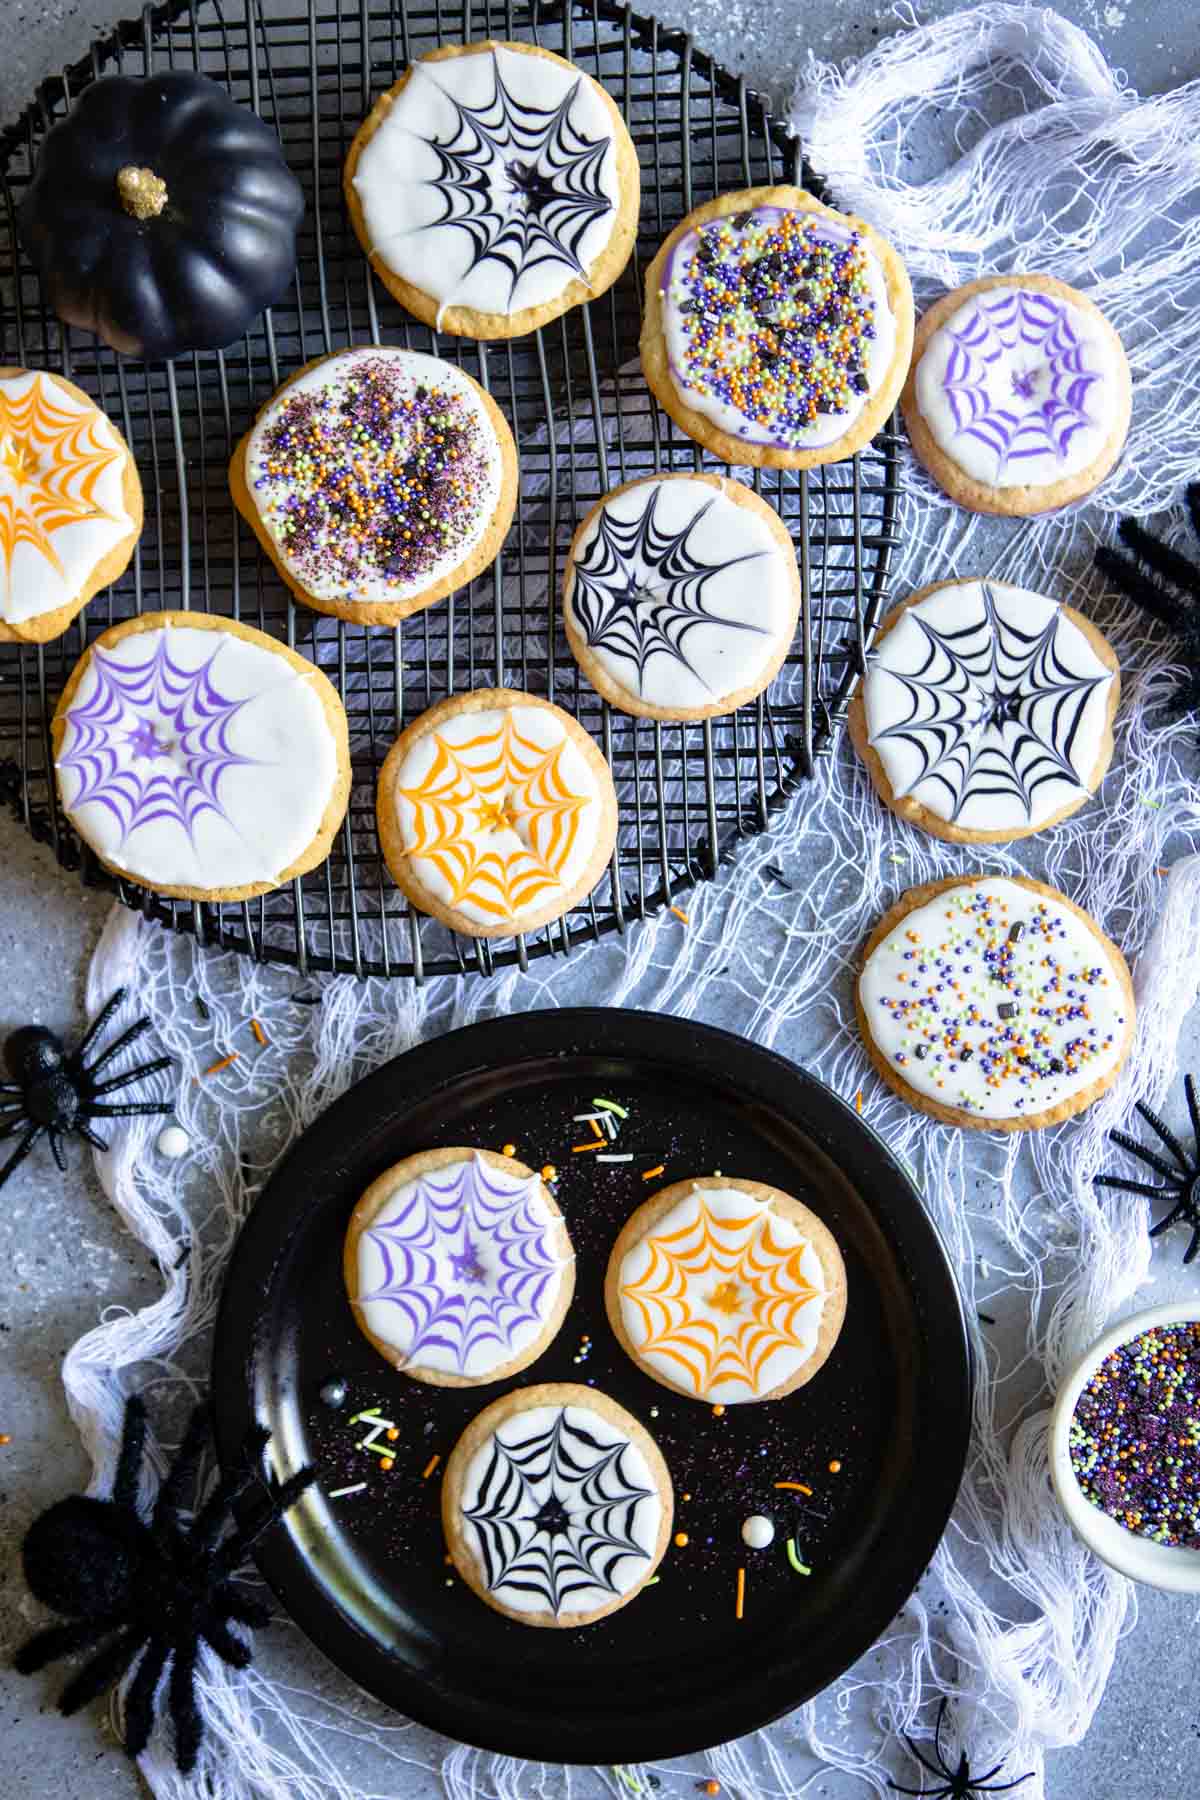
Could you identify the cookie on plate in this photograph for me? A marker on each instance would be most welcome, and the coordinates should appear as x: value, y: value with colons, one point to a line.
x: 994, y: 1002
x: 1019, y: 396
x: 776, y: 332
x: 493, y: 188
x: 557, y: 1505
x: 377, y: 481
x: 681, y: 596
x: 986, y: 711
x: 496, y: 811
x: 200, y: 758
x: 727, y: 1291
x: 70, y: 504
x: 458, y: 1267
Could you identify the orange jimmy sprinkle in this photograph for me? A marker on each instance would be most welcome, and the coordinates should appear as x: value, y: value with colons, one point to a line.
x: 221, y: 1063
x: 430, y: 1466
x: 680, y: 914
x: 259, y: 1033
x: 576, y: 1149
x: 797, y: 1485
x: 649, y: 1174
x: 740, y: 1605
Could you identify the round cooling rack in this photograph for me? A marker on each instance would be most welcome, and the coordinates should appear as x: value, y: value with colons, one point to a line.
x: 583, y: 421
x: 878, y: 1438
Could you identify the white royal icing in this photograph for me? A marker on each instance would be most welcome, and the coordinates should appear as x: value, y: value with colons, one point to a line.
x: 560, y: 1511
x: 706, y: 345
x: 345, y: 552
x: 498, y: 811
x: 1019, y: 388
x: 987, y: 705
x: 62, y: 505
x: 196, y: 759
x: 723, y: 1296
x: 995, y: 1000
x: 458, y: 1270
x: 680, y: 594
x: 492, y: 181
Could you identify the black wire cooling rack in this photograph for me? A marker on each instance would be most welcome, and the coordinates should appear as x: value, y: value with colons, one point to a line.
x: 583, y: 421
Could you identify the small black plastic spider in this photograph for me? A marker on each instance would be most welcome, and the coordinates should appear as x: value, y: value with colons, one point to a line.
x: 1181, y: 1185
x: 154, y: 1588
x: 957, y: 1784
x: 54, y: 1093
x: 1167, y: 586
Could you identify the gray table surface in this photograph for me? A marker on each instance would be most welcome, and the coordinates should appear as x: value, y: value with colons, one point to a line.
x: 64, y: 1257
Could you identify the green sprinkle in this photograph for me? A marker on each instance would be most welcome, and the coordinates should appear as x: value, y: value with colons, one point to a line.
x: 611, y: 1106
x: 794, y: 1558
x: 1146, y: 801
x: 628, y: 1779
x: 370, y: 1412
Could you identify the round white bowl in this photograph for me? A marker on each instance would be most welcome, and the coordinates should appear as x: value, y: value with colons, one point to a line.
x: 1161, y: 1565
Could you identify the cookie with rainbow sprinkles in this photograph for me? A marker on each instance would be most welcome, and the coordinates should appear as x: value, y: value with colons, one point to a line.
x: 994, y: 1002
x: 777, y: 332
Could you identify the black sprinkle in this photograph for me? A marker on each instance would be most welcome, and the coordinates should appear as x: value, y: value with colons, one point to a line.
x: 1006, y: 1010
x: 1056, y: 1065
x: 777, y: 874
x: 202, y: 1008
x: 966, y: 1053
x: 742, y: 219
x: 182, y: 1257
x: 986, y: 1318
x: 1016, y: 932
x: 921, y: 1052
x: 305, y: 999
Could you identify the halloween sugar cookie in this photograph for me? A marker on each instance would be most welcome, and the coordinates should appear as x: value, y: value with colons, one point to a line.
x: 994, y: 1002
x: 377, y: 480
x: 986, y: 711
x: 494, y: 187
x: 725, y: 1290
x: 1019, y: 395
x: 70, y: 504
x: 556, y: 1505
x: 458, y: 1266
x: 681, y: 596
x: 200, y: 758
x: 776, y: 331
x: 496, y: 811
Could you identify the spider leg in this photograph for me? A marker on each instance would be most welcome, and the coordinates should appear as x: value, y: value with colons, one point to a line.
x: 104, y: 1668
x: 1176, y: 1213
x: 139, y: 1701
x: 17, y: 1123
x: 937, y: 1768
x: 58, y: 1641
x: 234, y: 1604
x: 10, y: 1087
x: 897, y: 1789
x: 1004, y: 1787
x: 129, y: 1462
x: 1168, y: 1137
x: 1133, y: 1187
x: 125, y: 1111
x: 56, y: 1148
x: 136, y: 1030
x: 229, y: 1554
x: 938, y: 1752
x: 92, y: 1137
x: 1145, y: 1154
x: 75, y: 1062
x: 1189, y: 1254
x: 21, y: 1152
x: 181, y: 1474
x: 1160, y: 559
x: 1193, y: 1105
x: 185, y: 1716
x: 130, y: 1075
x: 229, y: 1648
x: 207, y: 1526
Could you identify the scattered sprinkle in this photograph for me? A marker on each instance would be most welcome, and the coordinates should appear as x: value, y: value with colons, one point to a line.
x: 718, y: 1412
x: 794, y: 1558
x: 340, y: 1493
x: 740, y: 1603
x: 712, y: 1785
x: 549, y: 1172
x: 680, y: 914
x: 333, y: 1393
x: 368, y: 1412
x: 508, y: 1149
x: 758, y: 1531
x: 835, y: 1467
x: 649, y: 1174
x: 777, y: 874
x: 858, y: 1101
x: 392, y: 1435
x: 305, y: 999
x: 260, y: 1035
x: 653, y: 1581
x: 430, y: 1466
x: 578, y: 1149
x: 1147, y: 801
x: 5, y: 1438
x: 202, y: 1008
x: 622, y: 1112
x: 681, y: 1540
x: 172, y: 1142
x: 222, y: 1062
x: 386, y: 1463
x: 595, y: 1124
x: 986, y: 1319
x: 797, y: 1485
x: 1162, y: 870
x: 586, y: 1118
x: 627, y: 1157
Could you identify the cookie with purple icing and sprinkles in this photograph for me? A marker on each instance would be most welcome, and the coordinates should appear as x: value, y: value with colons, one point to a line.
x: 777, y: 332
x: 994, y: 1003
x: 377, y: 480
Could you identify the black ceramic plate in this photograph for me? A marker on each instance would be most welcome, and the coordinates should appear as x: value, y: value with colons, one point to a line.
x: 674, y: 1671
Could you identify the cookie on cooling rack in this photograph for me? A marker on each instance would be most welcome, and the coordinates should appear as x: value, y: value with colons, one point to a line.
x: 70, y: 504
x: 199, y: 758
x: 986, y: 711
x: 493, y: 188
x: 496, y: 811
x: 1019, y: 396
x: 556, y: 1505
x: 727, y: 1291
x: 776, y: 332
x: 377, y: 480
x: 995, y: 1003
x: 458, y: 1267
x: 681, y: 596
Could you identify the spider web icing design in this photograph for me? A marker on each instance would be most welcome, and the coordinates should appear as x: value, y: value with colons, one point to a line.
x: 719, y: 1290
x: 54, y: 457
x: 464, y: 1266
x: 496, y: 818
x: 564, y: 1511
x: 995, y: 713
x: 639, y: 589
x: 138, y: 717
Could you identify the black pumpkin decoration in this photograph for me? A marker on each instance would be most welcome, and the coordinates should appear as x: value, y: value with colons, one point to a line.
x: 162, y: 215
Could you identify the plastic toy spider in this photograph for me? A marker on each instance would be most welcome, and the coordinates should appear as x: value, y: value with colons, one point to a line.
x: 53, y: 1093
x: 1181, y: 1185
x: 1167, y: 586
x: 155, y: 1589
x: 956, y: 1784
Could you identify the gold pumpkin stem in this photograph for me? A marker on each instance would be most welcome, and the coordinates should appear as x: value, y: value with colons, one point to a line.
x: 143, y: 194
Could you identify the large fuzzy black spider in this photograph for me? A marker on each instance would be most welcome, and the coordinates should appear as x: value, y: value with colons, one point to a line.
x: 1167, y: 586
x: 154, y: 1588
x: 956, y: 1784
x: 1181, y: 1185
x: 53, y: 1093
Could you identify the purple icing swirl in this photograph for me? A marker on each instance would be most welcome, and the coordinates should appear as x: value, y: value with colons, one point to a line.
x: 1046, y: 404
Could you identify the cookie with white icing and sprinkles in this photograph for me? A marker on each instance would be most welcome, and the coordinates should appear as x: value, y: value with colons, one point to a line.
x: 70, y: 504
x: 200, y: 758
x: 494, y: 187
x: 986, y: 711
x: 994, y: 1002
x: 776, y: 332
x: 727, y: 1291
x: 496, y: 812
x: 1019, y: 396
x: 377, y: 480
x: 458, y: 1266
x: 557, y: 1505
x: 681, y: 596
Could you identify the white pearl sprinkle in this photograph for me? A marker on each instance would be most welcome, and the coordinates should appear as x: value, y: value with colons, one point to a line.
x: 173, y: 1142
x: 758, y: 1531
